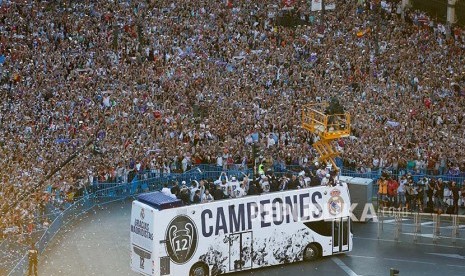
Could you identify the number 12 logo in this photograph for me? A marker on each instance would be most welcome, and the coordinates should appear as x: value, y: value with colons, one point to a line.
x: 181, y: 239
x: 184, y: 245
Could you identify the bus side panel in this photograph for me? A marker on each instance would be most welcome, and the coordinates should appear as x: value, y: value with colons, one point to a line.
x: 142, y: 235
x: 271, y: 237
x: 257, y: 231
x: 257, y: 248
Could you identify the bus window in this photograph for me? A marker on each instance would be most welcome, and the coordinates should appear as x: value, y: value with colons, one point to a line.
x: 321, y: 227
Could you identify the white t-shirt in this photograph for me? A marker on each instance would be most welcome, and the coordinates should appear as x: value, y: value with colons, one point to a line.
x: 193, y: 190
x: 207, y: 198
x: 401, y: 188
x: 167, y: 192
x: 184, y: 164
x: 265, y: 186
x: 219, y: 161
x: 239, y: 192
x: 307, y: 181
x: 271, y: 142
x: 233, y: 185
x: 106, y: 101
x: 224, y: 188
x: 324, y: 181
x: 375, y: 162
x: 321, y: 173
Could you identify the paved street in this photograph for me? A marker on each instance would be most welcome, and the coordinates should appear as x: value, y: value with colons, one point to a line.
x: 98, y: 244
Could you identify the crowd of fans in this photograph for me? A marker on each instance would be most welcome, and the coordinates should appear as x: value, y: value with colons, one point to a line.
x: 165, y: 84
x: 425, y: 195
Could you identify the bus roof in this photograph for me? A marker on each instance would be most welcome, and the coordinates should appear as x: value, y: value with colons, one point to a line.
x: 159, y: 201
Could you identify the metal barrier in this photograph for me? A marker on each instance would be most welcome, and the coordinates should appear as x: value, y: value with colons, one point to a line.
x: 426, y: 226
x: 416, y: 176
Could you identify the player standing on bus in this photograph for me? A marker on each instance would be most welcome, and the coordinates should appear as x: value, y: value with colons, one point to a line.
x: 265, y: 184
x: 224, y: 187
x: 218, y: 192
x: 325, y: 180
x: 292, y: 184
x: 196, y: 186
x: 223, y: 183
x: 254, y: 188
x: 197, y: 198
x: 245, y: 183
x: 184, y: 194
x: 207, y: 197
x: 239, y: 191
x: 232, y: 186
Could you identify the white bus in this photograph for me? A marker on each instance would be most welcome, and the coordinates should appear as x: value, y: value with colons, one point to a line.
x: 232, y: 235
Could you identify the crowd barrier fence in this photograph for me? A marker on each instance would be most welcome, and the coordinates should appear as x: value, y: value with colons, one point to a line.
x: 416, y: 227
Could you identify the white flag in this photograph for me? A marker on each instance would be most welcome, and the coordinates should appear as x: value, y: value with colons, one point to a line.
x: 329, y: 5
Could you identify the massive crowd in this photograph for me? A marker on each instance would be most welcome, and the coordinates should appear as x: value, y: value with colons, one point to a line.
x: 165, y: 84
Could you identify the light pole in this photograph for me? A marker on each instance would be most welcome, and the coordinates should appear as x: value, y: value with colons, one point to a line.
x: 451, y: 19
x: 404, y: 5
x: 323, y: 10
x: 377, y: 14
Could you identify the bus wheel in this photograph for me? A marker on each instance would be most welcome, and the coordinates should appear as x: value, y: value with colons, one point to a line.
x: 199, y: 269
x: 311, y: 252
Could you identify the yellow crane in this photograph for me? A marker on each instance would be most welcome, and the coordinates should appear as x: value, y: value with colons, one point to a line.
x: 328, y: 127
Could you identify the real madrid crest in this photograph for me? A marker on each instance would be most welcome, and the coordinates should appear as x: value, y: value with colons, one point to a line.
x: 335, y: 202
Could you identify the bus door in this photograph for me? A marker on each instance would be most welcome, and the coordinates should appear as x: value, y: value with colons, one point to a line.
x: 341, y: 234
x: 240, y: 251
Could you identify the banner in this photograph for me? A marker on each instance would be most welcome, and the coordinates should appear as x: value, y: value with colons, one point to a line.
x: 317, y: 5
